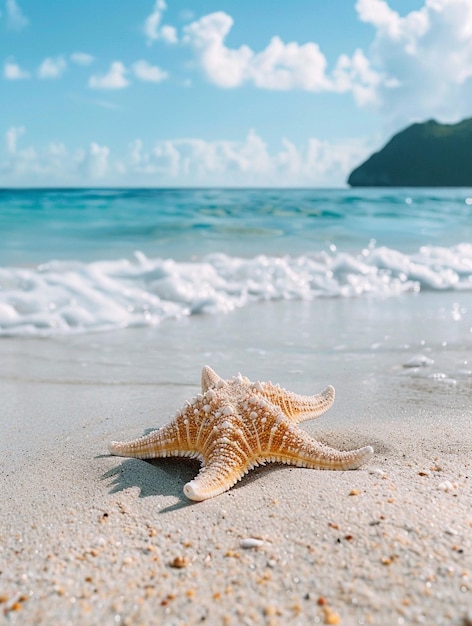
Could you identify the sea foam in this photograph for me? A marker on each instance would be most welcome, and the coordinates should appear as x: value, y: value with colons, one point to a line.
x: 70, y: 297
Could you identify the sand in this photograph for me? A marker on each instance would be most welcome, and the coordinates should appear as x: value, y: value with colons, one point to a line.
x: 87, y: 538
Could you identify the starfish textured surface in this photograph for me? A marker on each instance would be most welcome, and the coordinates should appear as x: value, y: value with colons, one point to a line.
x: 235, y: 425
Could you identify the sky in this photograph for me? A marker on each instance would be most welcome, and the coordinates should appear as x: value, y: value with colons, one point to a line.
x: 223, y: 93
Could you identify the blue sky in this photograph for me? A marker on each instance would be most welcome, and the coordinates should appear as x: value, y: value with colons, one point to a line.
x: 219, y: 92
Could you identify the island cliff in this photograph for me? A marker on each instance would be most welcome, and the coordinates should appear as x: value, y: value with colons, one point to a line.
x: 423, y: 155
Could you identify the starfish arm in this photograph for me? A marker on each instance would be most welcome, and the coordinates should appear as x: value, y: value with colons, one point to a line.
x: 299, y: 408
x: 225, y: 461
x: 214, y: 479
x: 210, y: 378
x: 295, y: 447
x: 170, y: 440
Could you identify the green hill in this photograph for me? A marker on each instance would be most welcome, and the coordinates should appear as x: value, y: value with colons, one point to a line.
x: 423, y: 155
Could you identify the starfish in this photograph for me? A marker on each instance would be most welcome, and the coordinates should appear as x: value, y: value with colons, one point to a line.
x: 235, y: 425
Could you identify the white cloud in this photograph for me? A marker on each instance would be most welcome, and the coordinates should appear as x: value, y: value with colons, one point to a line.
x: 52, y: 68
x: 153, y: 29
x: 187, y: 162
x: 82, y: 58
x: 168, y: 34
x: 222, y: 66
x: 290, y: 66
x: 15, y: 18
x: 29, y: 166
x: 135, y: 149
x: 425, y: 58
x: 150, y: 73
x: 418, y: 66
x: 280, y: 66
x: 355, y: 74
x: 152, y: 22
x: 12, y: 71
x: 93, y: 163
x: 388, y: 22
x: 114, y: 79
x: 57, y: 149
x: 248, y: 162
x: 378, y: 13
x: 55, y: 164
x: 11, y: 138
x: 165, y: 158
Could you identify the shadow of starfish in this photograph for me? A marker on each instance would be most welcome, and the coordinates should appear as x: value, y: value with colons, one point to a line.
x: 166, y: 477
x: 160, y: 477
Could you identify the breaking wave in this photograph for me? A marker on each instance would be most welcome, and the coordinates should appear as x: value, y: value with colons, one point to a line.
x: 70, y: 297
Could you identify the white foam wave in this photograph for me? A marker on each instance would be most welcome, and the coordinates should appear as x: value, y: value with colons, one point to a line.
x: 70, y: 297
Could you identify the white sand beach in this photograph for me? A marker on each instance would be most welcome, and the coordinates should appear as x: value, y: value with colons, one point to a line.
x: 88, y: 538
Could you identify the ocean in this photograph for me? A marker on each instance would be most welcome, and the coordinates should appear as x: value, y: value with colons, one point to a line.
x: 88, y: 260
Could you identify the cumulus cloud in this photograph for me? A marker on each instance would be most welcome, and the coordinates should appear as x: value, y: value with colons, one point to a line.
x: 355, y: 74
x: 11, y: 138
x: 223, y: 66
x: 114, y: 79
x: 419, y: 65
x: 28, y: 165
x: 149, y: 73
x: 289, y: 66
x: 388, y: 22
x: 184, y: 161
x: 280, y: 66
x: 82, y: 58
x: 168, y: 34
x: 93, y: 163
x: 194, y: 161
x: 52, y: 68
x: 424, y: 57
x: 55, y: 164
x: 152, y: 22
x: 153, y: 29
x: 15, y: 17
x: 12, y: 71
x: 378, y: 13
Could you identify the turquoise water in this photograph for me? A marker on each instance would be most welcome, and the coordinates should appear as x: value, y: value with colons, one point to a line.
x: 79, y: 260
x: 88, y: 225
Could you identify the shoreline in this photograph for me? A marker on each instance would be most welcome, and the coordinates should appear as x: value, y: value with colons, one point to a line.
x: 87, y: 538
